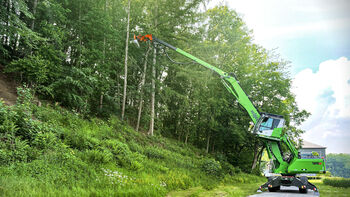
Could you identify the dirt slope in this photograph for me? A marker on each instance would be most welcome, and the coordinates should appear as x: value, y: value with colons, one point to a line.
x: 7, y: 89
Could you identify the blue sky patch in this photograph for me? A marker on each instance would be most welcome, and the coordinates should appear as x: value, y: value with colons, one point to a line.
x: 327, y: 96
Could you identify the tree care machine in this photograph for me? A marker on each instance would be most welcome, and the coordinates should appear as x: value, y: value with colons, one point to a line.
x: 287, y: 166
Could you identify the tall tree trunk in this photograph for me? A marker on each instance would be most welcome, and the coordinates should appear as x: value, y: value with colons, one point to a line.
x: 117, y: 94
x: 213, y: 146
x: 104, y: 36
x: 240, y: 150
x: 101, y: 101
x: 260, y: 155
x: 257, y: 153
x: 151, y: 126
x: 80, y: 37
x: 17, y: 41
x: 104, y: 55
x: 141, y: 87
x: 9, y: 10
x: 126, y: 61
x: 255, y: 158
x: 35, y: 3
x: 186, y: 137
x: 208, y: 140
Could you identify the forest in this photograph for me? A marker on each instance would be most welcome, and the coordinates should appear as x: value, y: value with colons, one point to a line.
x: 339, y: 165
x: 78, y: 56
x: 75, y: 53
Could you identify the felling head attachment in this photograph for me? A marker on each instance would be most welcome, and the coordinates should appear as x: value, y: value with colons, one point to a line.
x: 140, y: 38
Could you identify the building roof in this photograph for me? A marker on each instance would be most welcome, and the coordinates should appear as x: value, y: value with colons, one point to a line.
x: 307, y: 144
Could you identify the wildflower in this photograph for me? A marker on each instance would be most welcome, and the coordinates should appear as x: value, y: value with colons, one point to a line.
x: 162, y: 184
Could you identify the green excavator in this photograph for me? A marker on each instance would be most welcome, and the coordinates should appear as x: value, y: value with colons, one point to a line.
x: 287, y: 168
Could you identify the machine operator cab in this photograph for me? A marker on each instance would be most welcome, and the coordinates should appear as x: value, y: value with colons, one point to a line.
x: 269, y: 126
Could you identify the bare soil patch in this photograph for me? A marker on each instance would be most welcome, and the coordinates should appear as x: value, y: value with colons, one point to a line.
x: 8, y: 86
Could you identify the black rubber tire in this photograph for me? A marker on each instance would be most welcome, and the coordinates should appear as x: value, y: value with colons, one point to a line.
x: 304, y: 180
x: 272, y: 189
x: 303, y: 191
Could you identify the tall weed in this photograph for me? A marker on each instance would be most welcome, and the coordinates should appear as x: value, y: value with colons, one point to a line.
x: 176, y: 180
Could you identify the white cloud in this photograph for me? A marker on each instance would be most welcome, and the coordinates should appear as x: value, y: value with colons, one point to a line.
x: 326, y: 94
x: 288, y: 19
x: 309, y: 32
x: 330, y: 81
x: 301, y: 29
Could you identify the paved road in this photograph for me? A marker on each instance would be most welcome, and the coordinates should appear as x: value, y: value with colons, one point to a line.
x: 285, y: 192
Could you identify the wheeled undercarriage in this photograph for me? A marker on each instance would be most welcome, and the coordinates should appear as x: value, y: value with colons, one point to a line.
x: 274, y: 183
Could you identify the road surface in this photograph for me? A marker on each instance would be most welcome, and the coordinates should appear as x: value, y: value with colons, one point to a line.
x: 285, y: 192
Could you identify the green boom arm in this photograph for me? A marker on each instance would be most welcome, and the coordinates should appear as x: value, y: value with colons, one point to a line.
x: 229, y: 81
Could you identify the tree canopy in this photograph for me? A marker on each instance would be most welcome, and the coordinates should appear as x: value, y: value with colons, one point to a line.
x: 72, y: 52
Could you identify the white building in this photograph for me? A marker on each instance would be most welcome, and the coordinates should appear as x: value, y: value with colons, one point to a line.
x: 311, y: 150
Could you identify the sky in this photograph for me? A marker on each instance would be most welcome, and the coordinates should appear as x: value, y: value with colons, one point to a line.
x: 314, y: 35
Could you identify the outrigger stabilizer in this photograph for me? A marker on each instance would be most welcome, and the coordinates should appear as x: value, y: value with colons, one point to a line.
x: 267, y: 127
x: 274, y: 184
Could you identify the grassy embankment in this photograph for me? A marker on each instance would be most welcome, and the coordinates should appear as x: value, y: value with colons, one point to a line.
x: 49, y: 151
x: 327, y: 190
x: 327, y: 185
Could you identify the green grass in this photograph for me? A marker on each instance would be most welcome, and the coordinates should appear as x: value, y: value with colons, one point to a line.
x: 239, y: 190
x: 326, y: 190
x: 246, y: 189
x: 49, y: 151
x: 239, y: 185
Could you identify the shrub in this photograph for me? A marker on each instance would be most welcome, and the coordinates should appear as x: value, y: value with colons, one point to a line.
x: 117, y: 148
x: 337, y: 182
x: 46, y: 140
x: 75, y: 140
x: 256, y: 171
x: 125, y: 157
x: 96, y: 156
x: 154, y: 152
x: 134, y: 161
x: 18, y: 119
x: 7, y: 119
x: 211, y: 167
x: 33, y: 68
x: 14, y: 150
x: 163, y: 169
x: 79, y: 140
x: 227, y: 168
x: 28, y: 129
x: 134, y: 146
x: 7, y: 128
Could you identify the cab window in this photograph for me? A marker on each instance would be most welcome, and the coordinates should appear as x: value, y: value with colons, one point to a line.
x: 268, y: 124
